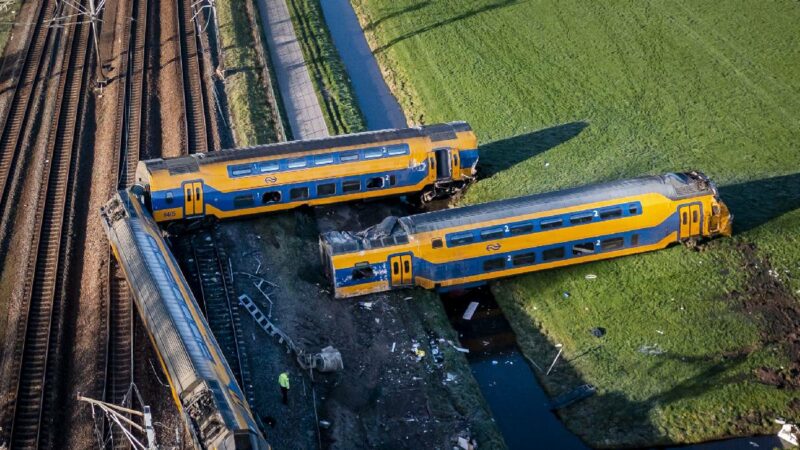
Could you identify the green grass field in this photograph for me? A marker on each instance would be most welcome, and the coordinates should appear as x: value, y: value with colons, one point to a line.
x: 564, y: 93
x: 253, y: 114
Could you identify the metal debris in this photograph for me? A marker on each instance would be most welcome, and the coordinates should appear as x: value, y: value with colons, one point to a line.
x: 473, y: 306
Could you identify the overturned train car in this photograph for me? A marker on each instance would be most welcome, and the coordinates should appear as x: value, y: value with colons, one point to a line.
x: 210, y: 401
x: 471, y: 245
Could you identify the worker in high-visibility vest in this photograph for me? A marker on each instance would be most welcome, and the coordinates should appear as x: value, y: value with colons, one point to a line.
x: 283, y: 381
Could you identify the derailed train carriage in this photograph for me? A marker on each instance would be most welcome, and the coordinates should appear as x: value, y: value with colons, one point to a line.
x: 470, y: 245
x: 425, y: 162
x: 208, y: 397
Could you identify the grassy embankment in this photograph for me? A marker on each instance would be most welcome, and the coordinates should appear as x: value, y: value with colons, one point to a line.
x: 629, y: 88
x: 331, y: 81
x: 253, y: 111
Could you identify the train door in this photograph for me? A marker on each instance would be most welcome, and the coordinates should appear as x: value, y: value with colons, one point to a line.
x: 689, y: 216
x: 401, y: 269
x: 193, y: 204
x: 443, y: 168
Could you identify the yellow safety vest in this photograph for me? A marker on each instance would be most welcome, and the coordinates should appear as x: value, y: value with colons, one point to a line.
x: 283, y: 380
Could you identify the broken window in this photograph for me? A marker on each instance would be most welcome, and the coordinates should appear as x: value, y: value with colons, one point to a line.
x: 633, y: 209
x: 436, y: 243
x: 375, y: 183
x: 326, y: 189
x: 298, y: 193
x: 549, y: 224
x: 524, y: 259
x: 585, y: 248
x: 553, y: 253
x: 494, y: 264
x: 363, y: 272
x: 271, y: 197
x: 169, y: 198
x: 494, y: 233
x: 613, y: 243
x: 351, y: 186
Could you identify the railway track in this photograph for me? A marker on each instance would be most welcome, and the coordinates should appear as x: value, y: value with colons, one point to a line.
x: 37, y: 342
x: 208, y: 266
x: 30, y: 70
x: 195, y: 101
x: 120, y: 324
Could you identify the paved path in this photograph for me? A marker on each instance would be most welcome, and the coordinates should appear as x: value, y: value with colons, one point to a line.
x: 297, y: 92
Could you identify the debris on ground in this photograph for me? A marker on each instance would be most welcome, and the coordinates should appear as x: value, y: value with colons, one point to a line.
x: 581, y: 392
x: 473, y: 306
x: 789, y: 433
x: 651, y: 350
x: 566, y: 294
x: 598, y: 332
x: 591, y: 276
x: 462, y: 349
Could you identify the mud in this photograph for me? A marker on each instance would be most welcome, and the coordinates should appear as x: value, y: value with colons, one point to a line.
x: 770, y: 300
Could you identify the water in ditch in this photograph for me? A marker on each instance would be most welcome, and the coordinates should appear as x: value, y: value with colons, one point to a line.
x: 377, y: 104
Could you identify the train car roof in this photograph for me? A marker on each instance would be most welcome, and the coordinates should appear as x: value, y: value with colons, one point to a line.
x: 394, y: 230
x: 671, y: 185
x: 192, y: 163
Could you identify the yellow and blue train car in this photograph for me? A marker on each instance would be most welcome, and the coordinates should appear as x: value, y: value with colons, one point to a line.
x: 204, y: 388
x: 429, y: 161
x: 471, y: 245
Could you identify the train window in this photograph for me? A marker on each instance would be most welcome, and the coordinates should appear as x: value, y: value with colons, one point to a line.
x: 494, y: 264
x: 395, y: 268
x: 613, y: 243
x: 584, y: 248
x: 461, y: 239
x: 169, y: 198
x: 553, y: 253
x: 351, y: 186
x: 322, y: 160
x: 392, y: 180
x: 694, y: 216
x: 243, y: 201
x: 523, y: 259
x: 363, y: 272
x: 238, y: 171
x: 635, y: 239
x: 298, y: 193
x: 326, y: 189
x: 375, y: 183
x: 371, y: 153
x: 436, y: 243
x: 494, y: 233
x: 685, y: 218
x: 347, y: 157
x: 269, y: 166
x: 521, y: 229
x: 550, y: 223
x: 398, y: 150
x: 580, y: 218
x: 271, y: 197
x: 633, y: 209
x: 297, y: 163
x: 610, y: 213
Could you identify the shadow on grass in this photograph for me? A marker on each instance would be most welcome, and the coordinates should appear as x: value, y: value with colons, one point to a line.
x: 465, y: 15
x: 500, y: 155
x: 410, y: 8
x: 756, y: 202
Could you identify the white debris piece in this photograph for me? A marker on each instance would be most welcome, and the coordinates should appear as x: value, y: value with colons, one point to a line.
x: 473, y: 306
x: 789, y: 432
x: 591, y: 276
x: 366, y: 305
x: 394, y: 344
x: 460, y: 349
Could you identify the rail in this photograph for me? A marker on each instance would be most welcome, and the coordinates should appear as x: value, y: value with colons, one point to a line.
x: 44, y: 289
x: 192, y: 72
